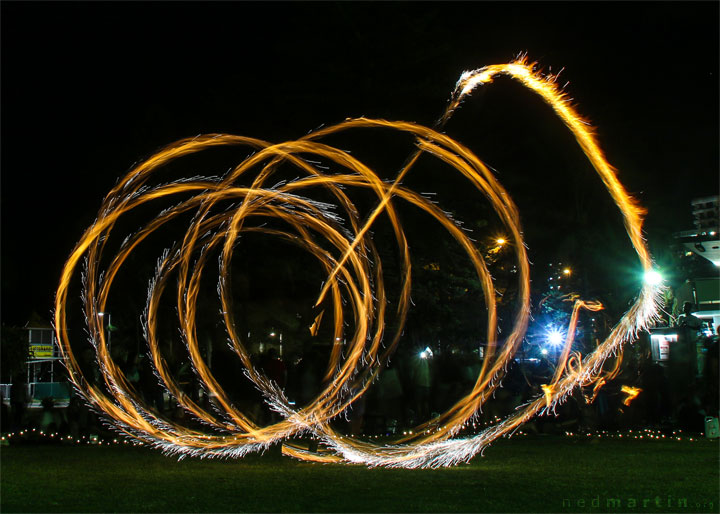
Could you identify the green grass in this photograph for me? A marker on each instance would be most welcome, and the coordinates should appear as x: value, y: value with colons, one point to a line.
x: 524, y: 474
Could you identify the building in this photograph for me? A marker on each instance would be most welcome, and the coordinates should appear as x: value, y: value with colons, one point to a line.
x: 44, y: 365
x: 705, y: 212
x: 702, y: 292
x: 704, y: 239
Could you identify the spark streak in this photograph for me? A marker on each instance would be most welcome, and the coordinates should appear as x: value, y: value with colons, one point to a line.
x: 354, y: 275
x: 631, y: 392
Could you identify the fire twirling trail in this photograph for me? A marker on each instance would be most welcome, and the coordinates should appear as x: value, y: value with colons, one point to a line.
x: 354, y: 276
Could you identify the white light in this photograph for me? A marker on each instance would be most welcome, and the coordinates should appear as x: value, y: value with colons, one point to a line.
x: 716, y: 263
x: 426, y: 353
x: 544, y: 351
x: 555, y: 337
x: 652, y: 277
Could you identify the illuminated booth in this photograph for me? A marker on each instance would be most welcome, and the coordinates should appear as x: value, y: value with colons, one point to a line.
x: 673, y: 345
x: 660, y: 341
x: 44, y: 367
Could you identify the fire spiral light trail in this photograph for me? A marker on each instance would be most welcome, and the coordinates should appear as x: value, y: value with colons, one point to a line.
x: 342, y: 244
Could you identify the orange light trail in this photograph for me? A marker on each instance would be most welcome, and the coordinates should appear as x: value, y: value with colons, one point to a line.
x: 354, y: 276
x: 631, y: 392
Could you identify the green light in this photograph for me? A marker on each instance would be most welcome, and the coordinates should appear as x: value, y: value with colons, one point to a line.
x: 653, y: 278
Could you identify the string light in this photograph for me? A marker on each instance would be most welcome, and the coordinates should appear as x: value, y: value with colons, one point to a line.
x: 39, y: 435
x: 645, y: 434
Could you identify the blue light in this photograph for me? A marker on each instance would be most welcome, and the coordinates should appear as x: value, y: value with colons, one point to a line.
x: 554, y: 336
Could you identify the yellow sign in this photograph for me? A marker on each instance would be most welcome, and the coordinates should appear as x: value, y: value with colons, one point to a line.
x: 39, y: 351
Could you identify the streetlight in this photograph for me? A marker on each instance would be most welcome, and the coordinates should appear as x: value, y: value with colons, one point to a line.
x: 107, y: 327
x: 273, y: 334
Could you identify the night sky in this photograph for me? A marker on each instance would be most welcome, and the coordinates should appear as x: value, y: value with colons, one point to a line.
x: 89, y: 89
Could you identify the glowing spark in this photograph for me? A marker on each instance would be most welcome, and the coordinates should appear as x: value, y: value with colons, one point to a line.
x: 631, y: 392
x: 354, y: 284
x: 548, y: 391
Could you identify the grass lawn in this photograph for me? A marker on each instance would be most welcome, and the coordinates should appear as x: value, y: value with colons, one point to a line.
x: 524, y: 474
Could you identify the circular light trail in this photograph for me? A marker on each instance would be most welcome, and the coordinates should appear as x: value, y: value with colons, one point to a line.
x: 341, y: 243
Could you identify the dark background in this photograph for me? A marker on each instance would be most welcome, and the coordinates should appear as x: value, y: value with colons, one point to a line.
x: 88, y: 89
